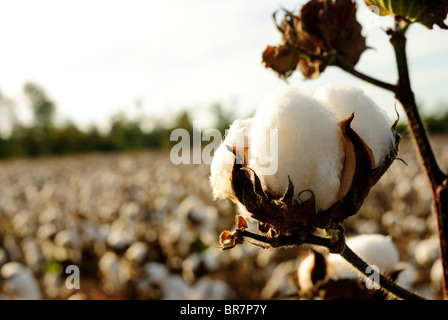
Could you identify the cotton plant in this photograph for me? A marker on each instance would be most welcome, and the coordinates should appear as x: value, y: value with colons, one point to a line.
x: 331, y: 146
x: 324, y: 165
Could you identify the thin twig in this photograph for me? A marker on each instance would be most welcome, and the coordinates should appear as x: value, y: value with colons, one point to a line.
x: 384, y: 282
x: 365, y: 77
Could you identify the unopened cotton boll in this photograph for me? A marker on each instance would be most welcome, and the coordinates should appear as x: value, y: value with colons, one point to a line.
x: 221, y: 166
x: 306, y: 145
x: 370, y: 123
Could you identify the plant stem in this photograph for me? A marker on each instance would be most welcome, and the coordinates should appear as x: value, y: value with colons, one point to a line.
x: 437, y: 179
x: 337, y: 246
x: 365, y: 77
x: 403, y: 93
x: 383, y: 281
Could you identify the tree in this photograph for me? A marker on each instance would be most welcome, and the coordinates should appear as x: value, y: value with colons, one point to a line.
x: 42, y: 107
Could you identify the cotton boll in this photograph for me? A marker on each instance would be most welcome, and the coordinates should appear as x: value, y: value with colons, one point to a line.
x: 208, y: 289
x: 436, y: 275
x: 114, y: 271
x: 221, y: 166
x: 20, y: 282
x: 408, y: 275
x: 376, y: 249
x: 281, y: 283
x: 176, y: 288
x: 136, y: 253
x: 308, y: 145
x: 370, y: 122
x: 427, y: 251
x: 157, y: 273
x: 338, y: 268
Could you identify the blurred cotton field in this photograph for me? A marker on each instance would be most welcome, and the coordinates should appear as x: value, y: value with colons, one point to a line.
x: 139, y: 227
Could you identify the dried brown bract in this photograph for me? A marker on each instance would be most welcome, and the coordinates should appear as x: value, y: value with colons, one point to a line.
x: 325, y: 32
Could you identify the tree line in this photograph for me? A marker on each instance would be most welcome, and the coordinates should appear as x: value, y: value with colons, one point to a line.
x: 44, y: 137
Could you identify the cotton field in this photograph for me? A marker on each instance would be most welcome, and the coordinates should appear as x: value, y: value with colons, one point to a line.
x: 136, y: 226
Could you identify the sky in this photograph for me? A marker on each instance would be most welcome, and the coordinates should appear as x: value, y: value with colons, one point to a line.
x: 154, y: 58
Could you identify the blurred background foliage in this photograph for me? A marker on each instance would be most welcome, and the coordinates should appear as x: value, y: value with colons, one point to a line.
x: 44, y: 137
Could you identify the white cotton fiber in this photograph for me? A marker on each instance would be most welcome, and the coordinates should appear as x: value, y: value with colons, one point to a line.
x: 221, y: 166
x: 309, y: 146
x: 370, y: 122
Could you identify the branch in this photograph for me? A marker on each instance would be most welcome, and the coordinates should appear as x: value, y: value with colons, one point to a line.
x: 384, y: 282
x: 365, y: 77
x: 336, y: 245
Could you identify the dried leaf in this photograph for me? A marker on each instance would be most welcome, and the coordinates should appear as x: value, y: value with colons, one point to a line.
x: 282, y: 59
x: 323, y: 33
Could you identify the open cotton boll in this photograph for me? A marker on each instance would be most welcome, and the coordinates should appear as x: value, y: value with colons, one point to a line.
x: 221, y: 166
x: 375, y: 249
x: 305, y: 145
x: 370, y: 123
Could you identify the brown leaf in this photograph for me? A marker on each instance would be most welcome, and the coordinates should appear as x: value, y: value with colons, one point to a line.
x: 323, y: 33
x: 282, y: 59
x: 311, y: 68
